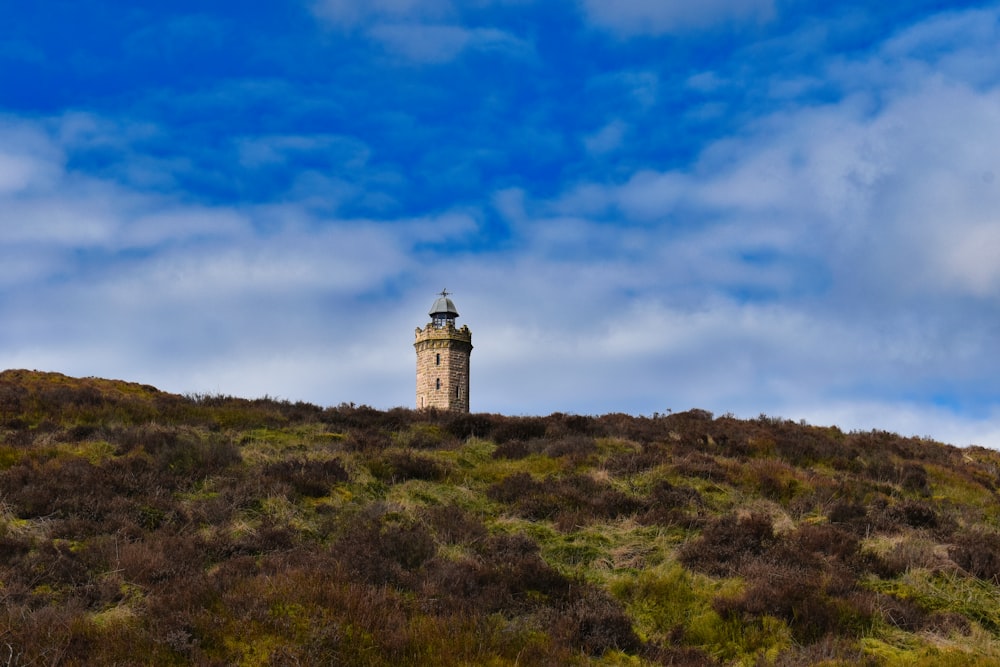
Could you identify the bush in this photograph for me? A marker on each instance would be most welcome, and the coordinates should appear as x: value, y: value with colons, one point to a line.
x: 795, y: 580
x: 847, y: 513
x: 648, y: 457
x: 465, y: 426
x: 506, y: 574
x: 386, y: 550
x: 913, y: 478
x: 179, y: 450
x: 978, y: 552
x: 518, y: 449
x: 308, y: 478
x: 729, y: 544
x: 914, y: 514
x: 666, y: 505
x: 576, y: 447
x: 595, y: 623
x: 827, y: 540
x: 400, y: 466
x: 366, y: 440
x: 453, y: 525
x: 518, y: 428
x: 570, y: 501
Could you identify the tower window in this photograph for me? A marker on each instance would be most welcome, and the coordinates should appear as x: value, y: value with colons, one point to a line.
x: 437, y: 383
x: 437, y: 361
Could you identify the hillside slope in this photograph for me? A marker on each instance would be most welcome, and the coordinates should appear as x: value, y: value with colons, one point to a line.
x: 140, y: 527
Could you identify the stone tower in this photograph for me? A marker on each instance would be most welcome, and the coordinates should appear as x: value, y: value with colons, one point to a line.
x: 443, y: 360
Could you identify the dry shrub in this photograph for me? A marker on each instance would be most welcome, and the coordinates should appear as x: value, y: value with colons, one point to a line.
x: 827, y: 540
x: 977, y: 552
x: 576, y: 447
x: 464, y: 426
x: 270, y: 537
x: 645, y: 458
x: 595, y: 623
x: 829, y: 650
x: 178, y: 450
x: 913, y: 478
x: 668, y: 504
x: 365, y: 440
x: 700, y: 465
x: 803, y: 445
x: 516, y: 450
x: 800, y: 587
x: 788, y: 593
x: 386, y: 550
x: 364, y: 418
x: 579, y: 424
x: 453, y: 525
x: 424, y: 436
x: 516, y: 561
x: 160, y: 558
x: 772, y: 479
x: 851, y: 515
x: 912, y: 513
x: 902, y: 613
x: 728, y: 544
x: 41, y: 636
x: 307, y: 478
x: 678, y: 656
x: 518, y: 428
x: 569, y: 501
x: 399, y: 466
x: 513, y: 487
x: 506, y: 574
x: 947, y: 622
x: 59, y: 488
x: 908, y: 551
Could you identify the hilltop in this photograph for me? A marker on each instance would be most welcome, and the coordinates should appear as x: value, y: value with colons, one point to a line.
x: 143, y: 527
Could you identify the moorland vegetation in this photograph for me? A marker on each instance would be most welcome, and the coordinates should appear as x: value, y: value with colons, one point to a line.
x: 141, y: 527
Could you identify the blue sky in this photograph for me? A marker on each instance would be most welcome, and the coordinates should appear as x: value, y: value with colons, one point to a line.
x: 757, y: 206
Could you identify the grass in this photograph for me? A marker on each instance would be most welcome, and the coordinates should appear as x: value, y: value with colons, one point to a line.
x: 219, y: 530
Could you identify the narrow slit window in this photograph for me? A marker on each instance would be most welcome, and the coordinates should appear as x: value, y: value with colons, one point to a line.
x: 437, y: 383
x: 437, y: 360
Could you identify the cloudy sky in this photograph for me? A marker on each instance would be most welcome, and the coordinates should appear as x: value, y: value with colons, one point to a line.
x: 786, y: 207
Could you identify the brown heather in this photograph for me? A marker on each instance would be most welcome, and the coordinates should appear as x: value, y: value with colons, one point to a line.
x: 144, y: 528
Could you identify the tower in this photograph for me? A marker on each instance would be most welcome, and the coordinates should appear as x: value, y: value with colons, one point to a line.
x: 443, y: 359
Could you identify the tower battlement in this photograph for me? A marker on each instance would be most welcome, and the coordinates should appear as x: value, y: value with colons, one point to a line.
x: 447, y: 332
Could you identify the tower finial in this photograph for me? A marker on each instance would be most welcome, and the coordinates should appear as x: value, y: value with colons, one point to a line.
x: 445, y: 292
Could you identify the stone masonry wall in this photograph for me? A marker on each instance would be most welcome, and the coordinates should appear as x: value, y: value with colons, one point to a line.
x: 451, y: 368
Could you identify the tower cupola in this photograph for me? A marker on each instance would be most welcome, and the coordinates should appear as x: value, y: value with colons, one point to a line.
x: 443, y: 311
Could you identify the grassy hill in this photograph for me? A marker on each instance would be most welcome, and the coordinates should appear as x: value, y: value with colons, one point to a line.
x: 140, y: 527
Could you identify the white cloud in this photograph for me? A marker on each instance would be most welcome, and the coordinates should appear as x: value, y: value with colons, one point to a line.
x: 434, y: 44
x: 657, y: 17
x: 102, y: 279
x: 607, y: 139
x: 425, y: 32
x: 868, y: 225
x: 28, y: 160
x: 844, y: 249
x: 351, y: 13
x: 346, y: 152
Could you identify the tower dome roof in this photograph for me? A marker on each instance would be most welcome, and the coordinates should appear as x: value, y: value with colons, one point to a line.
x: 443, y: 307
